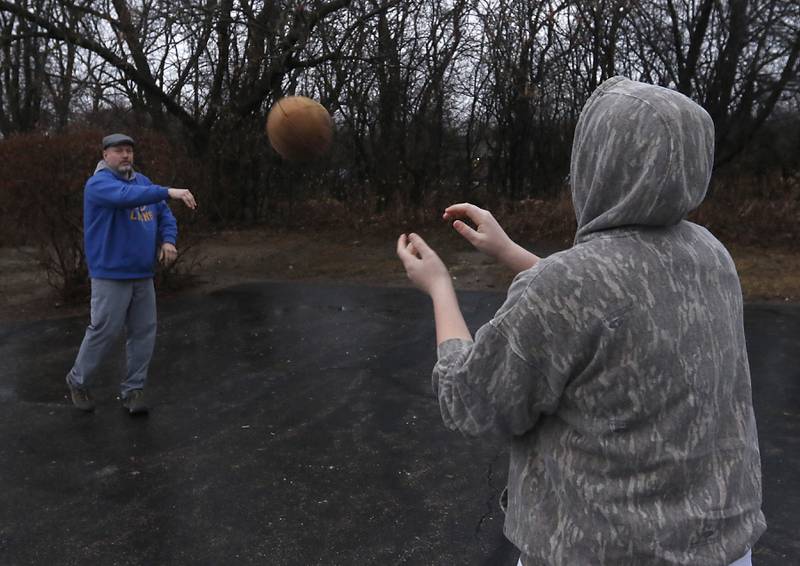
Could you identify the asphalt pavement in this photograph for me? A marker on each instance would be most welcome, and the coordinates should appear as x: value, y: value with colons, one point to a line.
x: 294, y: 424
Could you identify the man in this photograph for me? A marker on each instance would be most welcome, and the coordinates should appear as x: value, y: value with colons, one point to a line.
x: 126, y: 224
x: 617, y: 369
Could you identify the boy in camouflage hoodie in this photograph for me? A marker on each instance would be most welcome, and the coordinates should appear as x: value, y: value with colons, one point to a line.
x: 617, y: 369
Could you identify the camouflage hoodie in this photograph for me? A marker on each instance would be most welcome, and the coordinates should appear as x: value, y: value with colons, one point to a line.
x: 617, y: 369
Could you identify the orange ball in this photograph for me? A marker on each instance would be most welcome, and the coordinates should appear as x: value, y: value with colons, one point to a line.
x: 299, y: 128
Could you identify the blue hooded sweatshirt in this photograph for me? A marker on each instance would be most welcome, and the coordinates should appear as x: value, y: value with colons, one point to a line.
x: 124, y: 222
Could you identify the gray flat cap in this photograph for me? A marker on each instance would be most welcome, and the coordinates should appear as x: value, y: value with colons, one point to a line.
x: 117, y: 139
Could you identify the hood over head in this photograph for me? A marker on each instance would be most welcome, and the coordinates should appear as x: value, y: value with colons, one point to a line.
x: 642, y: 156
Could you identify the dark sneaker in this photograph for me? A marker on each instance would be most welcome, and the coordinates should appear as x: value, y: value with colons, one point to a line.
x: 134, y: 402
x: 81, y: 398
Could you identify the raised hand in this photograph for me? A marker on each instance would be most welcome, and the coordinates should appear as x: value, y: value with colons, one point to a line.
x: 423, y: 266
x: 429, y: 274
x: 488, y: 236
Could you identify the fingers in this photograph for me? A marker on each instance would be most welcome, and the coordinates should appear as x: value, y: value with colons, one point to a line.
x: 401, y: 245
x: 411, y: 248
x: 463, y: 210
x: 421, y: 246
x: 184, y: 195
x: 472, y: 236
x: 188, y: 198
x: 403, y: 251
x: 167, y: 254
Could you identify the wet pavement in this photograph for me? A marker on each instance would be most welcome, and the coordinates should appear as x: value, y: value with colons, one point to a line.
x: 293, y: 424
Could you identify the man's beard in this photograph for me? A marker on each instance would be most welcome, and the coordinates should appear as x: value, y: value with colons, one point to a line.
x: 125, y: 169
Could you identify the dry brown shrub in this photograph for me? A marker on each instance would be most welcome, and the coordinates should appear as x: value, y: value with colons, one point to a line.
x: 548, y: 220
x: 761, y: 211
x: 41, y: 196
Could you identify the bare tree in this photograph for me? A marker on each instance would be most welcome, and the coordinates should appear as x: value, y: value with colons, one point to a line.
x: 737, y: 58
x: 428, y: 95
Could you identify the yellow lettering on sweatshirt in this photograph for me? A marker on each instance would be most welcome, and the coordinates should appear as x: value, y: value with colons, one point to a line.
x: 141, y: 214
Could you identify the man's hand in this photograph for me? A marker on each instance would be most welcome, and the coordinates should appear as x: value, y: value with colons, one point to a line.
x: 167, y: 254
x: 423, y: 267
x: 489, y: 237
x: 185, y: 195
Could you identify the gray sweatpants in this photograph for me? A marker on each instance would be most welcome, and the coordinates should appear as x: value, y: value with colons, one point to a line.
x: 116, y: 303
